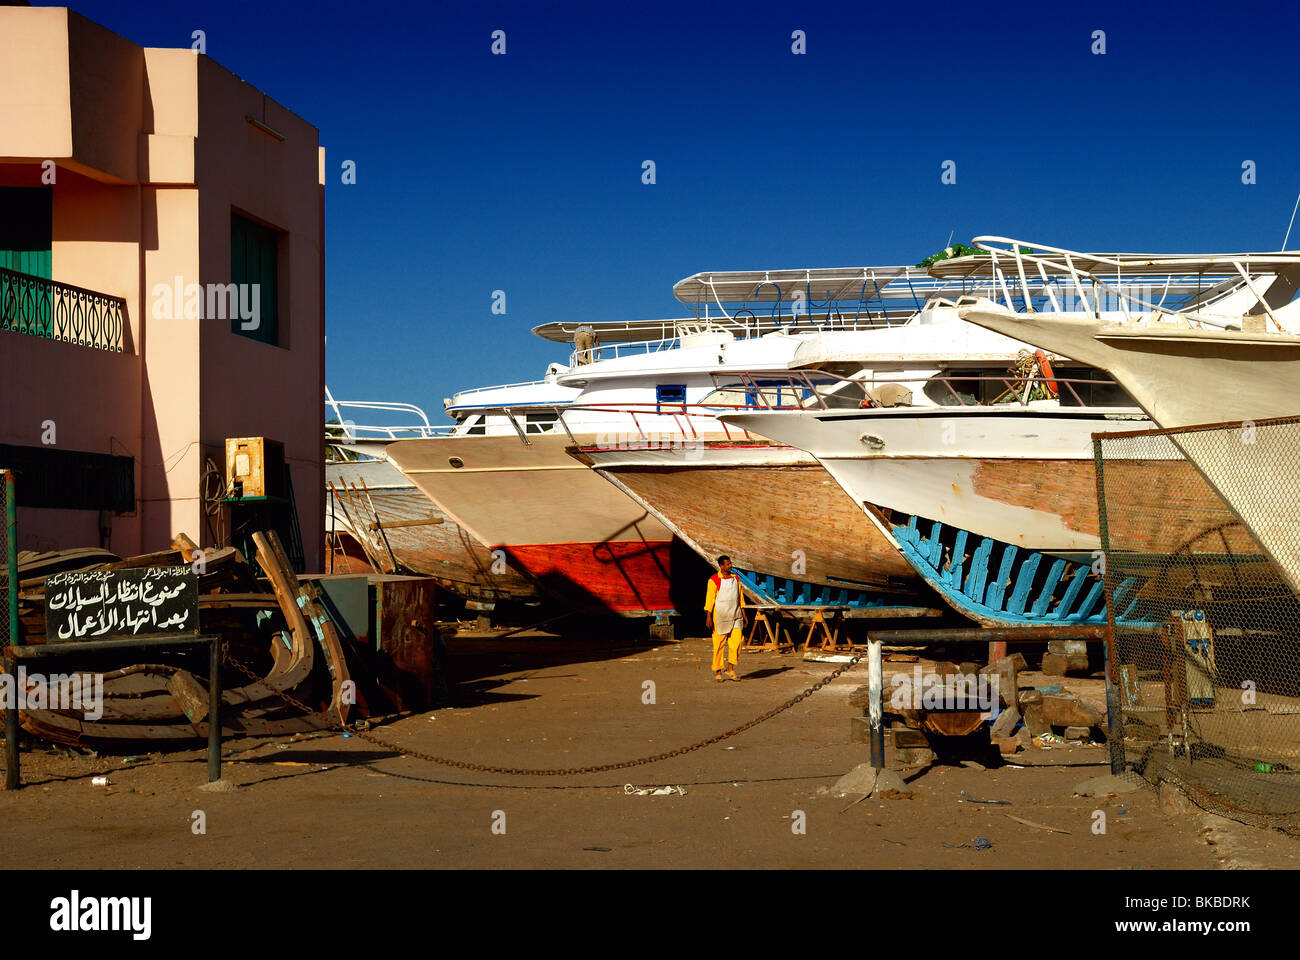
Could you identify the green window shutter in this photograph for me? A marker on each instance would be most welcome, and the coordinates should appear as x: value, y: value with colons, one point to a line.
x: 254, y: 257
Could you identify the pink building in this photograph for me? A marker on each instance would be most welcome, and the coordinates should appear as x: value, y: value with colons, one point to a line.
x: 136, y: 184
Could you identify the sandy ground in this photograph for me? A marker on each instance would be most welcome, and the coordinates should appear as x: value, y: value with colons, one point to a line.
x: 544, y: 701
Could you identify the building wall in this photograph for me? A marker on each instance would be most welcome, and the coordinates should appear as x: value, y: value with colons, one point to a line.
x: 152, y: 153
x: 277, y: 185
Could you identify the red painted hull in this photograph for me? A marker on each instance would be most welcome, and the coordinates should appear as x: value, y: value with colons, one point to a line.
x: 622, y: 576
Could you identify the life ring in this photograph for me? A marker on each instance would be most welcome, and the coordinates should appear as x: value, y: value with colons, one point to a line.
x: 1045, y: 368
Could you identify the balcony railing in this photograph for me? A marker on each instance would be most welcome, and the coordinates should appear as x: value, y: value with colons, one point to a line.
x: 58, y: 311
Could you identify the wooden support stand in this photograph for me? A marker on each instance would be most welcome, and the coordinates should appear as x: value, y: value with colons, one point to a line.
x: 773, y: 629
x: 829, y: 630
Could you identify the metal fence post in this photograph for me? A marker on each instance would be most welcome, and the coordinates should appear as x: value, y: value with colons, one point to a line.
x: 214, y: 710
x: 1114, y: 718
x: 876, y: 705
x: 13, y: 778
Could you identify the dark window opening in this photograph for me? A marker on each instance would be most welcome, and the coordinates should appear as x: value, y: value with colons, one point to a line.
x: 27, y: 230
x: 254, y: 273
x: 69, y: 479
x: 539, y: 422
x: 669, y: 393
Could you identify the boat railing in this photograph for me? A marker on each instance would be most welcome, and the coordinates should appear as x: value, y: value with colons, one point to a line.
x: 856, y: 297
x: 670, y: 422
x: 609, y: 351
x: 344, y: 429
x: 1132, y: 287
x: 744, y: 323
x: 688, y: 421
x: 1029, y: 381
x: 499, y: 386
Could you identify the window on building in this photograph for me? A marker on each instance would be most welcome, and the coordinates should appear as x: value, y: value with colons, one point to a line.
x: 70, y: 479
x: 26, y: 230
x: 254, y: 271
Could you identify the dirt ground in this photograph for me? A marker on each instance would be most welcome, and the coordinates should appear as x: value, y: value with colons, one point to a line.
x: 546, y: 701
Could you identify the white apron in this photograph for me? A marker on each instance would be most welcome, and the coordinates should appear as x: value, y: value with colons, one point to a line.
x: 726, y: 606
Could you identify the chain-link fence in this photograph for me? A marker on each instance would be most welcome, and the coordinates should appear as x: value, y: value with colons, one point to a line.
x: 1201, y: 535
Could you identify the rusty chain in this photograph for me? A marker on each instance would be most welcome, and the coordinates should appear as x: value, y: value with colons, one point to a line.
x: 558, y: 772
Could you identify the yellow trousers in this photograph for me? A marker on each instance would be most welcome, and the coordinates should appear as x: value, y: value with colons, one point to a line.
x: 726, y: 647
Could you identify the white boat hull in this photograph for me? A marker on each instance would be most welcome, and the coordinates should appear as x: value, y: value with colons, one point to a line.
x: 1023, y: 477
x: 573, y: 533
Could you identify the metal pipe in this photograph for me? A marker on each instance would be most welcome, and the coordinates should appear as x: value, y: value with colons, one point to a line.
x: 13, y: 777
x: 984, y: 635
x: 875, y: 702
x: 214, y: 710
x: 141, y: 642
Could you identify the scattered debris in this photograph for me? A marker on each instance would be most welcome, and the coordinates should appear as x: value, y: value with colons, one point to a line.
x: 1107, y: 785
x: 99, y: 781
x: 969, y: 799
x: 1038, y: 826
x: 979, y: 843
x: 1005, y: 723
x: 598, y: 849
x: 666, y: 791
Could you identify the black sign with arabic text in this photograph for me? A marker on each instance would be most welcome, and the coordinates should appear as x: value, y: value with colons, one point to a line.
x: 107, y: 604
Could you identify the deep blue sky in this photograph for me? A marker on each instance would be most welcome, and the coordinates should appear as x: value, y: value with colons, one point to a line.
x: 523, y: 172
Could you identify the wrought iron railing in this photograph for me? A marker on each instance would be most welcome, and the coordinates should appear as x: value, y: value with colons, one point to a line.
x: 59, y: 311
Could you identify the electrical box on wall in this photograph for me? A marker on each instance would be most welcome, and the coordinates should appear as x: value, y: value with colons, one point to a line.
x: 254, y: 467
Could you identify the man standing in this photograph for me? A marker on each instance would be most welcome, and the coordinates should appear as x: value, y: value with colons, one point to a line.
x: 725, y: 614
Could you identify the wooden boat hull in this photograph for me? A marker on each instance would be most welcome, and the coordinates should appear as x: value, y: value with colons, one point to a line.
x: 577, y: 536
x: 1018, y: 476
x: 772, y: 508
x: 414, y: 536
x: 1184, y: 377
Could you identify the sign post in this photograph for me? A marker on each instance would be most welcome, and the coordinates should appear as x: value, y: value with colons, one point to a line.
x: 121, y: 611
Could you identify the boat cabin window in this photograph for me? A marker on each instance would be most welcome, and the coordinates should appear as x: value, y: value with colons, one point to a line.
x: 968, y: 387
x: 993, y: 385
x: 674, y: 393
x: 774, y: 393
x: 539, y: 422
x: 1099, y: 390
x: 477, y: 428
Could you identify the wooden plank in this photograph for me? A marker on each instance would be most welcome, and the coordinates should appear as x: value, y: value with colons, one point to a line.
x: 998, y: 588
x: 1024, y: 580
x: 291, y: 667
x: 1049, y: 587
